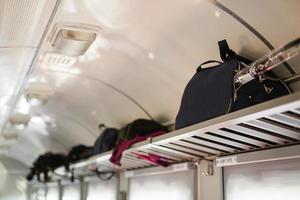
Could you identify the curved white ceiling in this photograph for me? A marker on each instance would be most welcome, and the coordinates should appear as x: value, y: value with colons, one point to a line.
x: 142, y: 60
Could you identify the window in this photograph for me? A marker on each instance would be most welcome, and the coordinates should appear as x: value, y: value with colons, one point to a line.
x: 38, y: 193
x: 276, y: 180
x: 102, y: 190
x: 71, y: 192
x: 52, y: 193
x: 172, y: 186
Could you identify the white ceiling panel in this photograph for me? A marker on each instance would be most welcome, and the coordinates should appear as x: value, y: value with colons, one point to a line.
x: 151, y: 49
x: 14, y: 63
x: 32, y: 141
x: 278, y: 21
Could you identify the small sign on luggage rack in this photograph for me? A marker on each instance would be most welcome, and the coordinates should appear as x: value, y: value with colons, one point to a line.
x: 226, y: 161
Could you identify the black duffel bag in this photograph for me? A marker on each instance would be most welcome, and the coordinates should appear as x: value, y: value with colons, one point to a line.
x: 79, y: 152
x: 106, y: 141
x: 212, y: 92
x: 46, y: 163
x: 141, y: 127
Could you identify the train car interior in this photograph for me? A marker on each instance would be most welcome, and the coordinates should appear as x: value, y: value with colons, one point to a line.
x: 149, y: 100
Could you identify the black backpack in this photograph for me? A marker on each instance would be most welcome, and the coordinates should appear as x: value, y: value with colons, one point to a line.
x: 106, y: 141
x: 212, y: 93
x: 79, y: 152
x: 44, y: 164
x: 141, y: 127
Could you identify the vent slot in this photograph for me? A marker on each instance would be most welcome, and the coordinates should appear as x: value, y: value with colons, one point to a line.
x: 23, y: 22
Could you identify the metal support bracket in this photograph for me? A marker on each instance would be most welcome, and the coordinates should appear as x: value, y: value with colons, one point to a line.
x: 206, y: 168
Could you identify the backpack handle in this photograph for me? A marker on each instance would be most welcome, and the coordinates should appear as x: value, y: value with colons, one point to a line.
x: 205, y: 63
x: 101, y: 126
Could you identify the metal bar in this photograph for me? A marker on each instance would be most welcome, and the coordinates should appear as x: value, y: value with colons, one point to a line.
x: 198, y: 147
x: 240, y: 138
x: 210, y: 144
x: 164, y: 155
x: 285, y: 119
x: 296, y: 111
x: 274, y: 154
x: 83, y: 189
x: 278, y: 128
x: 195, y: 184
x: 123, y: 186
x: 60, y: 190
x: 135, y: 158
x: 160, y: 170
x: 207, y: 184
x: 257, y: 134
x: 133, y: 161
x: 187, y: 150
x: 185, y: 155
x: 167, y: 153
x: 225, y: 141
x: 129, y: 163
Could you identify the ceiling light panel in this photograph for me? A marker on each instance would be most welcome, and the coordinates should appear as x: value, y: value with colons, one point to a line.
x: 22, y: 22
x: 73, y: 39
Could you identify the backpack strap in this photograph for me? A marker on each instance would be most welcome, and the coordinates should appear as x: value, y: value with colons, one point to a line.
x: 226, y: 53
x: 104, y: 176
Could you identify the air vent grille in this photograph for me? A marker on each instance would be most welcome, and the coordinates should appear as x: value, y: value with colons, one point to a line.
x: 22, y: 22
x: 57, y: 60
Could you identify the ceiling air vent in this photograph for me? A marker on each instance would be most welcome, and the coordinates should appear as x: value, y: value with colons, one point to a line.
x: 23, y: 22
x: 73, y: 39
x: 56, y: 60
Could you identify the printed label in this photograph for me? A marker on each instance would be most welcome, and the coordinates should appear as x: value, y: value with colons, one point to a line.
x: 226, y: 161
x: 180, y: 167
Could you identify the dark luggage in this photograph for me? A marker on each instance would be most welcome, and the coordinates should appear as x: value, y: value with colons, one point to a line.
x: 79, y: 152
x: 212, y: 92
x: 106, y: 141
x: 134, y: 132
x: 46, y: 163
x: 141, y: 127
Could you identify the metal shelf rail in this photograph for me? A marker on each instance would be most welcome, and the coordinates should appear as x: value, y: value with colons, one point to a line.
x: 272, y: 124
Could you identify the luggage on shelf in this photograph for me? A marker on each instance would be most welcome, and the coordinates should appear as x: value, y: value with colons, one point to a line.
x: 136, y: 131
x: 79, y: 152
x: 106, y: 141
x: 212, y: 91
x: 44, y: 164
x: 141, y: 127
x: 154, y: 159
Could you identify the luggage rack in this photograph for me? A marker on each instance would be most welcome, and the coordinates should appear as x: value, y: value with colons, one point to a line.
x: 272, y: 124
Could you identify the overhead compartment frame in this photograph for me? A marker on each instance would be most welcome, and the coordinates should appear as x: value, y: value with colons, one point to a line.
x: 272, y: 124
